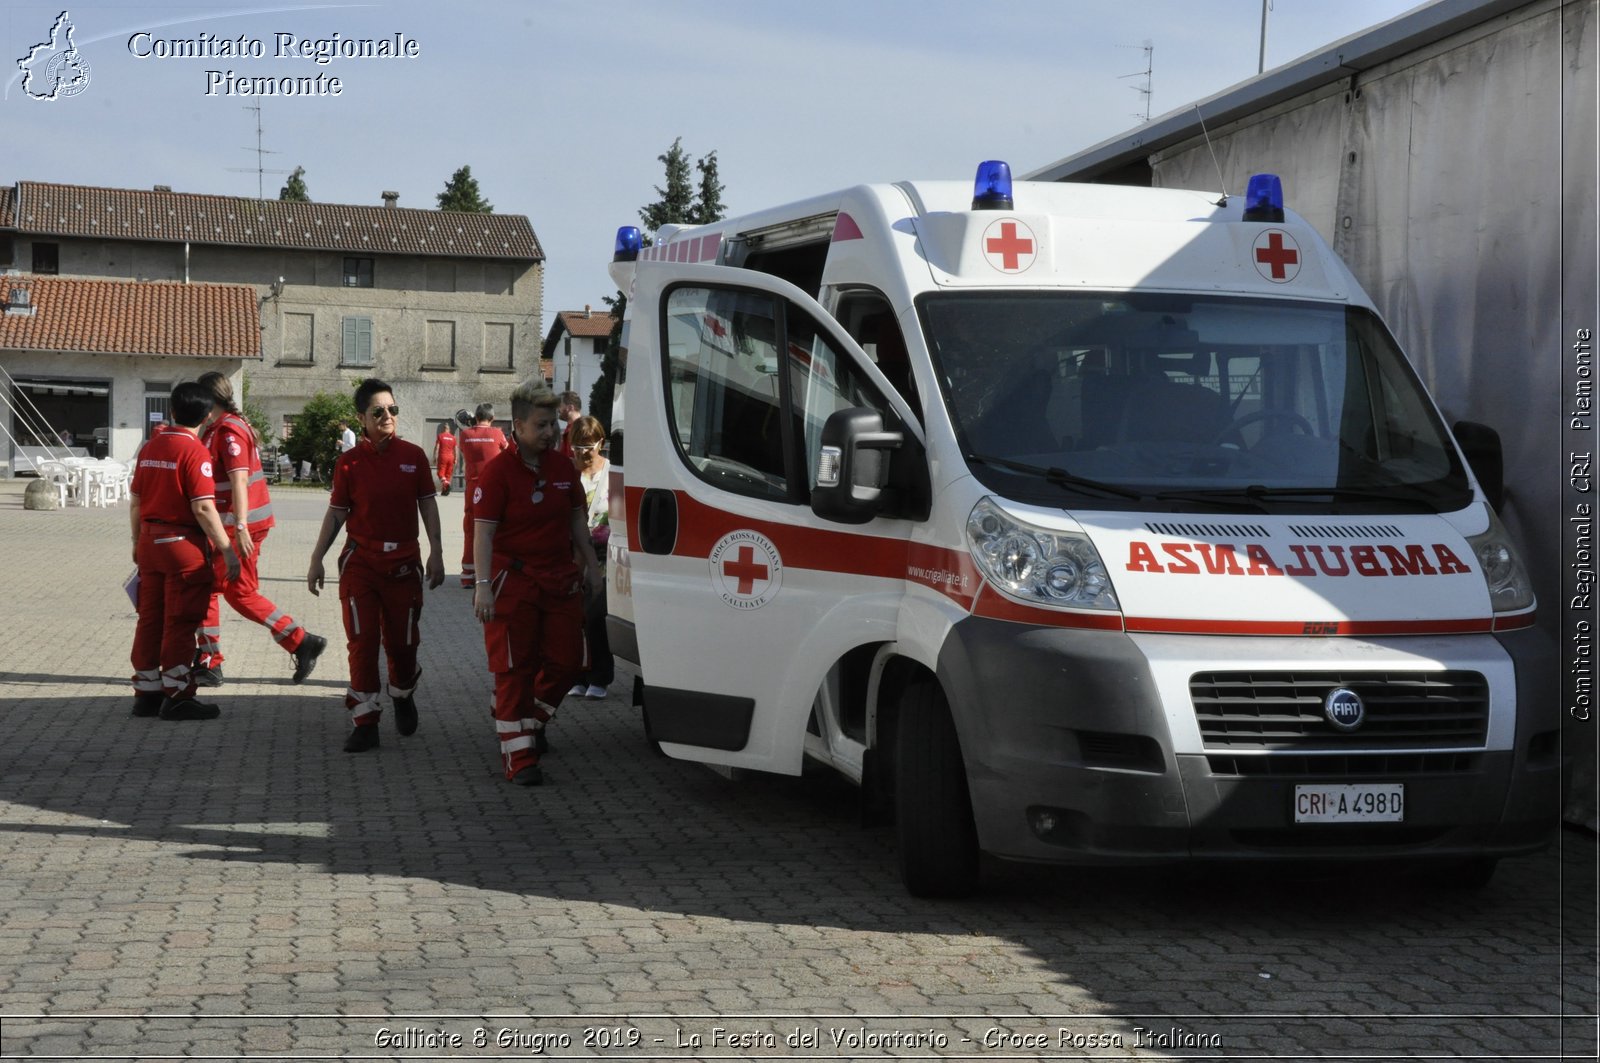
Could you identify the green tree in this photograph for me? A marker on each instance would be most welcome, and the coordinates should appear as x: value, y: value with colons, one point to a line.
x: 294, y: 189
x: 677, y: 199
x: 462, y: 194
x: 707, y: 206
x: 316, y: 436
x: 256, y: 415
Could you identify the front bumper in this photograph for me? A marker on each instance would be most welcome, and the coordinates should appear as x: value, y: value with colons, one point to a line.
x: 1076, y: 753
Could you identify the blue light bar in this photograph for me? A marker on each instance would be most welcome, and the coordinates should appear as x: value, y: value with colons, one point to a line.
x: 992, y: 188
x: 1263, y: 199
x: 629, y: 241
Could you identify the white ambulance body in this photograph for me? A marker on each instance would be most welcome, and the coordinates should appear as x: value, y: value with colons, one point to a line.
x: 1090, y: 524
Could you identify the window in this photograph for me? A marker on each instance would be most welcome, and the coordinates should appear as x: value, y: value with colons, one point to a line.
x: 752, y: 380
x: 497, y: 350
x: 723, y: 386
x: 600, y: 344
x: 440, y: 344
x: 46, y: 258
x: 356, y: 346
x: 358, y: 272
x: 441, y: 276
x: 299, y: 333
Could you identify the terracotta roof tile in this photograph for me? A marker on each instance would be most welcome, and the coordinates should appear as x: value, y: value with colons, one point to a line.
x: 596, y: 323
x: 133, y: 317
x: 132, y: 214
x: 7, y: 195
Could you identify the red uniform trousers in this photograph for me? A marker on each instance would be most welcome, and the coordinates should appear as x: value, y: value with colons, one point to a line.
x: 468, y: 568
x: 175, y: 580
x: 536, y: 652
x: 381, y: 598
x: 244, y: 594
x: 447, y: 469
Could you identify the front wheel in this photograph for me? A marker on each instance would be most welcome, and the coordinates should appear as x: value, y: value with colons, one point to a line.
x: 934, y: 830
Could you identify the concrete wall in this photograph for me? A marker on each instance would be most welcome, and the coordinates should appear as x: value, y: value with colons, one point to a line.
x: 447, y: 333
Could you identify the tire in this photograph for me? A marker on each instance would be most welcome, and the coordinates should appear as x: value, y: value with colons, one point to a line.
x: 934, y: 830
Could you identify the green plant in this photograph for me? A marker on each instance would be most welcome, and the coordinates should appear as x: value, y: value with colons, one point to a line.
x: 316, y: 435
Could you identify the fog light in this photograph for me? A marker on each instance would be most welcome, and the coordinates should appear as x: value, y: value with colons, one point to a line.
x: 1044, y: 822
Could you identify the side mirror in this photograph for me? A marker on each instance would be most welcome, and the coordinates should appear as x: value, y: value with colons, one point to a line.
x: 853, y: 466
x: 1481, y: 444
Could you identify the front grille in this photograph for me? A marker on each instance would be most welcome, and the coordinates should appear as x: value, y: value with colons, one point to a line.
x: 1283, y: 710
x: 1342, y: 766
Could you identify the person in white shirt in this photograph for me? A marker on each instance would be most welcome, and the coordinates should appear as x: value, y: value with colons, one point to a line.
x: 588, y: 438
x: 347, y: 437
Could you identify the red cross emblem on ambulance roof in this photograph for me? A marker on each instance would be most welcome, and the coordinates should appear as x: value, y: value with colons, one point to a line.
x: 1010, y: 246
x: 1276, y: 256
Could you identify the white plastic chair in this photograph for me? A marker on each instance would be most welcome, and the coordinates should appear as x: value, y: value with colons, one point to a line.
x: 58, y: 475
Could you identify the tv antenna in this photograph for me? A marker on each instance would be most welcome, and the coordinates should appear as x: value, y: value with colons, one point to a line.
x: 1148, y: 73
x: 261, y: 152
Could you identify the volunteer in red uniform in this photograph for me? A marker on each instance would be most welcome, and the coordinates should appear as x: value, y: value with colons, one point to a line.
x: 531, y: 521
x: 479, y: 443
x: 245, y: 506
x: 568, y: 410
x: 379, y: 488
x: 444, y: 456
x: 175, y: 530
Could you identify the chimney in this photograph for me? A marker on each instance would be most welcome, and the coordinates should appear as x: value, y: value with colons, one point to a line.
x: 162, y: 188
x: 586, y: 310
x: 390, y: 198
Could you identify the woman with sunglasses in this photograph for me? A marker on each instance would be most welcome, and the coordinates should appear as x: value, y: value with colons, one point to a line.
x: 530, y: 523
x: 588, y: 437
x: 379, y: 488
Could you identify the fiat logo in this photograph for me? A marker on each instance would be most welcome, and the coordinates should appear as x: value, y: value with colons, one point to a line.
x: 1344, y: 709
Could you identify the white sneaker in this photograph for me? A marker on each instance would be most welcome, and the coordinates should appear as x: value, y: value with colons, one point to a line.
x: 577, y: 691
x: 595, y: 692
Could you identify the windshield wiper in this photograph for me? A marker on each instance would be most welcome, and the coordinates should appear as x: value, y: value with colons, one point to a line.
x: 1059, y: 477
x: 1261, y: 493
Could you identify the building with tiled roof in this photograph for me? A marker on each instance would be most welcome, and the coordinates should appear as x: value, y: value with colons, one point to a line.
x: 573, y: 347
x: 128, y: 318
x: 84, y: 358
x: 444, y: 305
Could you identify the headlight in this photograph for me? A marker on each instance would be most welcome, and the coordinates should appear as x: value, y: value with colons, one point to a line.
x: 1035, y: 565
x: 1509, y: 587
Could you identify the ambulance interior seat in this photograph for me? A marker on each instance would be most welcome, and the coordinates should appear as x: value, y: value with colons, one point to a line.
x: 1160, y: 409
x: 1015, y: 421
x: 893, y: 359
x: 1064, y: 410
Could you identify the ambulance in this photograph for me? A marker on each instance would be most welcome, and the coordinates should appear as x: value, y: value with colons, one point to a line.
x: 1077, y: 523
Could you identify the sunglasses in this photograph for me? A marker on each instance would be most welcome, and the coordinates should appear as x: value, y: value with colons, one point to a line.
x: 377, y: 411
x: 584, y: 448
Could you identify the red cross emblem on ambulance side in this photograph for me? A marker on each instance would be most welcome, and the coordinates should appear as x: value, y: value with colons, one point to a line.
x: 1276, y: 256
x: 746, y: 569
x: 1010, y: 246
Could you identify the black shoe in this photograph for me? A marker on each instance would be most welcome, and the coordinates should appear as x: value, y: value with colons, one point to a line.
x: 529, y: 776
x: 207, y: 677
x: 306, y: 654
x: 148, y: 703
x: 188, y: 709
x: 363, y: 738
x: 541, y: 744
x: 405, y: 714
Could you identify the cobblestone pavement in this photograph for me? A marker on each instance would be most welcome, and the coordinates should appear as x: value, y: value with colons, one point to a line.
x: 242, y: 888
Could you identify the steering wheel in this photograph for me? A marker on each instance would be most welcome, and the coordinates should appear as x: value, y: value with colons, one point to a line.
x: 1264, y: 414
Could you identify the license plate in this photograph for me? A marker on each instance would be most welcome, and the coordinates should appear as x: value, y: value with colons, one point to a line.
x: 1355, y: 803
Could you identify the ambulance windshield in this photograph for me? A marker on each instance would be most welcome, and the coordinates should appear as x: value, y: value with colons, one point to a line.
x: 1243, y: 402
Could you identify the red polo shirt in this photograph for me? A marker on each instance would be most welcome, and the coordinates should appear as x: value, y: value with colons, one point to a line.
x: 479, y: 445
x: 381, y: 489
x: 233, y: 446
x: 537, y: 533
x: 445, y: 444
x: 174, y: 470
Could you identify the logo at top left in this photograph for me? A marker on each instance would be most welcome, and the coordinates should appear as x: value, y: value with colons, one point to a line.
x: 55, y: 68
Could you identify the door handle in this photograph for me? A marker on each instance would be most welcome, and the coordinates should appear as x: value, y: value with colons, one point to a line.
x: 658, y: 521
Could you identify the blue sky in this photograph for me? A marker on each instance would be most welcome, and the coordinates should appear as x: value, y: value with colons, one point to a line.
x: 562, y: 106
